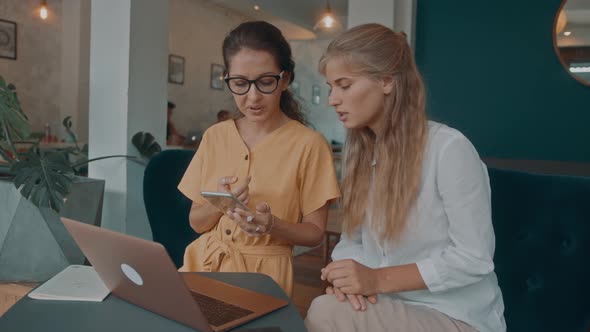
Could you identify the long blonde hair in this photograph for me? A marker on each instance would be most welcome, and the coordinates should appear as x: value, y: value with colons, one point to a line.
x: 377, y: 52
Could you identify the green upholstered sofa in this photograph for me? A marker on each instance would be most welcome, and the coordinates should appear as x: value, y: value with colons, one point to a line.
x: 542, y: 258
x: 166, y: 207
x: 541, y: 222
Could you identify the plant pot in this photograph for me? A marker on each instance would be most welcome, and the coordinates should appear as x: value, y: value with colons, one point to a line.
x: 34, y: 244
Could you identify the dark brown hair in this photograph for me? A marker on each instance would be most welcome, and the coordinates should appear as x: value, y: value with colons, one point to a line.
x: 263, y: 36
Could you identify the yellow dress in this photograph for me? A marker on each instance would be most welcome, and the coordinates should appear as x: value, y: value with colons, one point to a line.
x: 291, y: 169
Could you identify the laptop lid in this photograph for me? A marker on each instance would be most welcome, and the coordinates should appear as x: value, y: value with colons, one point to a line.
x: 142, y: 273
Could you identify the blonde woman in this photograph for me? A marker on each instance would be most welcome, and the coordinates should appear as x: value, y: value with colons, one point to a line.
x: 418, y: 242
x: 267, y: 157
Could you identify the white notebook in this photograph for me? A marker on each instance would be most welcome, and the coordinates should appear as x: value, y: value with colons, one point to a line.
x: 74, y: 283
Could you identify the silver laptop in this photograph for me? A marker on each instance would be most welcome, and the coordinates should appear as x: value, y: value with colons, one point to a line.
x: 142, y: 273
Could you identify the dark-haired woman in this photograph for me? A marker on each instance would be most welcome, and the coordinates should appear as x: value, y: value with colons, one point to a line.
x: 282, y: 170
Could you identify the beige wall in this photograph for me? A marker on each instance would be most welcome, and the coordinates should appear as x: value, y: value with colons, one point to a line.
x: 322, y: 116
x: 37, y: 69
x: 196, y: 32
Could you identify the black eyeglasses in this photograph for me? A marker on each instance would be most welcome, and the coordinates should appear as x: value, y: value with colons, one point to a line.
x: 266, y: 84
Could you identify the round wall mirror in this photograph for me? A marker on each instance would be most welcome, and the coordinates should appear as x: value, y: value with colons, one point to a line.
x: 571, y: 38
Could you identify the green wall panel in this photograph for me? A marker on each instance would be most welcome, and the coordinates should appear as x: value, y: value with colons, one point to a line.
x: 491, y: 71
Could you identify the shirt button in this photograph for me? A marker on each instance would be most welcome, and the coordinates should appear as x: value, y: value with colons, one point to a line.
x: 246, y: 157
x: 227, y: 231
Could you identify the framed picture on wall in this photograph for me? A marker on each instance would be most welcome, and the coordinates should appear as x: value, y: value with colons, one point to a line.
x: 175, y: 69
x: 7, y: 39
x: 217, y: 75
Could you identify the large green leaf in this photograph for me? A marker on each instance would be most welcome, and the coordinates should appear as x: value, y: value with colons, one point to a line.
x: 14, y: 124
x: 146, y: 144
x: 45, y: 180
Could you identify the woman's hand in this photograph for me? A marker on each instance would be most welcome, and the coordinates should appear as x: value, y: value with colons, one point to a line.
x: 241, y: 191
x: 358, y: 302
x: 351, y: 277
x: 256, y: 224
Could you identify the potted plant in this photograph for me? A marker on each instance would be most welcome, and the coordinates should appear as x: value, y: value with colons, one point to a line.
x: 37, y: 187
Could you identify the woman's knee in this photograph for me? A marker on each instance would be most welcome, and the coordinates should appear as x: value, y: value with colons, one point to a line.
x: 323, y: 302
x: 322, y: 311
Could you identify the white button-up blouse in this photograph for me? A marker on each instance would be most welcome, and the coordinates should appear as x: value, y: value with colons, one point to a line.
x: 449, y: 236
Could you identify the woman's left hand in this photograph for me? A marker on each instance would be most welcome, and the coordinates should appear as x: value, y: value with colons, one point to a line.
x: 351, y: 277
x: 358, y: 302
x: 256, y: 224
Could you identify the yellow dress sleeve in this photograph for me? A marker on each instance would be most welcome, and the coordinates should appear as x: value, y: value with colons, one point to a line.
x: 190, y: 185
x: 318, y: 176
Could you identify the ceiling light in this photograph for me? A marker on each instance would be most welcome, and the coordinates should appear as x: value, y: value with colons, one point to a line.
x: 327, y: 20
x: 43, y: 10
x: 567, y: 33
x: 580, y: 69
x: 256, y: 7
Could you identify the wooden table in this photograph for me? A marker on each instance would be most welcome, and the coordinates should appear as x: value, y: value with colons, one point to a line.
x: 115, y: 314
x: 11, y: 293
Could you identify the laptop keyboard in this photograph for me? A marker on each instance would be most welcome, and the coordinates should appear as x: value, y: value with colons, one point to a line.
x: 218, y: 312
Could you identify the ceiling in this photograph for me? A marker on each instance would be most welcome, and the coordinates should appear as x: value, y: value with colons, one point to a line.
x: 578, y: 11
x: 577, y: 4
x: 578, y: 24
x: 295, y: 18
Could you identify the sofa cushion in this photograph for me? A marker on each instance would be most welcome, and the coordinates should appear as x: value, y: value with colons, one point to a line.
x: 542, y: 258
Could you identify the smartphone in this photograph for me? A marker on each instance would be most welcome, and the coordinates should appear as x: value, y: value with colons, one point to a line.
x: 224, y: 201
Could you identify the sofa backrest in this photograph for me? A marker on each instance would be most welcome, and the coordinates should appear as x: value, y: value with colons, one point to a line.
x: 542, y: 258
x: 167, y: 208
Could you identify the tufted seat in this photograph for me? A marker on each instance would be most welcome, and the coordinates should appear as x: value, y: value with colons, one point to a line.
x: 542, y: 226
x: 167, y: 208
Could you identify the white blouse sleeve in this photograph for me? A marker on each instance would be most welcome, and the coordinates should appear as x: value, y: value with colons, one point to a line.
x: 463, y: 184
x: 349, y: 247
